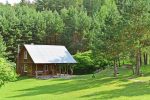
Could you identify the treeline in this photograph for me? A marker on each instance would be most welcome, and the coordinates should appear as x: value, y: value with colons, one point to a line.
x: 115, y: 30
x: 23, y: 23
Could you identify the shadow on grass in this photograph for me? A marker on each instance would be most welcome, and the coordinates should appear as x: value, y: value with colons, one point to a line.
x: 23, y: 78
x: 84, y: 82
x: 128, y: 90
x: 65, y: 87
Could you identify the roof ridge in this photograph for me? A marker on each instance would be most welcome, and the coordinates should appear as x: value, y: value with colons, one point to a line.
x: 42, y: 45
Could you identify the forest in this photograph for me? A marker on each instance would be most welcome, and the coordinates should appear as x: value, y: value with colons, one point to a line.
x: 99, y: 33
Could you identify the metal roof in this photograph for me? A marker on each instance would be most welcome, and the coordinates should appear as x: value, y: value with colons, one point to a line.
x: 41, y: 54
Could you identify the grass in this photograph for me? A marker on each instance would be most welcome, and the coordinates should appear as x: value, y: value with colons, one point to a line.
x: 103, y: 87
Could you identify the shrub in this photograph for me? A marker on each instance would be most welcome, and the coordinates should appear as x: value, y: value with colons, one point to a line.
x: 7, y: 72
x: 87, y: 64
x: 100, y: 62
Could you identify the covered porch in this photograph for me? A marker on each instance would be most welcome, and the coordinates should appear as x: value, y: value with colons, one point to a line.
x: 46, y: 71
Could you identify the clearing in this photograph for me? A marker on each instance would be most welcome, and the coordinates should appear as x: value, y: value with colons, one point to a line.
x: 82, y: 87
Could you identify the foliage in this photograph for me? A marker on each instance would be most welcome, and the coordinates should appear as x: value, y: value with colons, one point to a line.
x: 117, y: 29
x: 100, y: 62
x: 107, y: 33
x: 54, y: 23
x: 2, y: 47
x: 56, y: 5
x: 136, y: 31
x: 22, y: 24
x: 123, y: 27
x: 86, y: 63
x: 7, y: 72
x: 76, y: 30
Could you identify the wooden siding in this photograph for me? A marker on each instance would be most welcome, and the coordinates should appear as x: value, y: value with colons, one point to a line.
x: 21, y: 62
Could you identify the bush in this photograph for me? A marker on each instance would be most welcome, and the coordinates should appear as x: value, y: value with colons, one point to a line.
x: 7, y: 72
x: 100, y: 62
x: 87, y: 64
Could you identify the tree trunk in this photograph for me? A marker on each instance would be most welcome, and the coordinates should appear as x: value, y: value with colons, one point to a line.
x: 147, y: 59
x: 145, y: 56
x: 133, y: 70
x: 119, y: 62
x: 115, y: 68
x: 140, y: 59
x: 123, y: 61
x: 138, y: 63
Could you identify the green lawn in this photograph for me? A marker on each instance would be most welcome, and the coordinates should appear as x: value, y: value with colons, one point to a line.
x: 103, y: 87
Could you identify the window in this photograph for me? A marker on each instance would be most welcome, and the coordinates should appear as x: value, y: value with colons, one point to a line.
x: 25, y: 54
x: 25, y: 68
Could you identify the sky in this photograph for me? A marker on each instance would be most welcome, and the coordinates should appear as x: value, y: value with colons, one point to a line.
x: 12, y: 1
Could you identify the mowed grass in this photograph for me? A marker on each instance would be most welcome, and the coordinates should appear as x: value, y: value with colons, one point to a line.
x: 103, y: 87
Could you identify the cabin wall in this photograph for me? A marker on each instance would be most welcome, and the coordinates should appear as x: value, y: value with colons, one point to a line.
x: 23, y: 64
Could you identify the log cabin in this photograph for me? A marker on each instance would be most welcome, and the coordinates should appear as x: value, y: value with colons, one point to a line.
x: 35, y: 60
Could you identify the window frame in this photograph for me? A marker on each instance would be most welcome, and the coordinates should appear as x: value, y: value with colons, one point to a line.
x: 25, y: 55
x: 25, y: 69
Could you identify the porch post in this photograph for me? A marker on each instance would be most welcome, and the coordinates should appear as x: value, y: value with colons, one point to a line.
x: 52, y: 68
x: 59, y: 71
x: 36, y: 71
x: 67, y: 69
x: 31, y: 70
x: 71, y: 69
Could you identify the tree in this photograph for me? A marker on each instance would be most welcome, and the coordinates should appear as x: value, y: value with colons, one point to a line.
x: 43, y: 5
x: 92, y: 6
x: 2, y: 47
x: 20, y: 25
x: 54, y: 23
x: 76, y: 30
x: 136, y: 15
x: 107, y: 33
x: 6, y: 69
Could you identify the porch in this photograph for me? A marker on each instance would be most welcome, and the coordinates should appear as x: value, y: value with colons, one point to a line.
x: 46, y: 71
